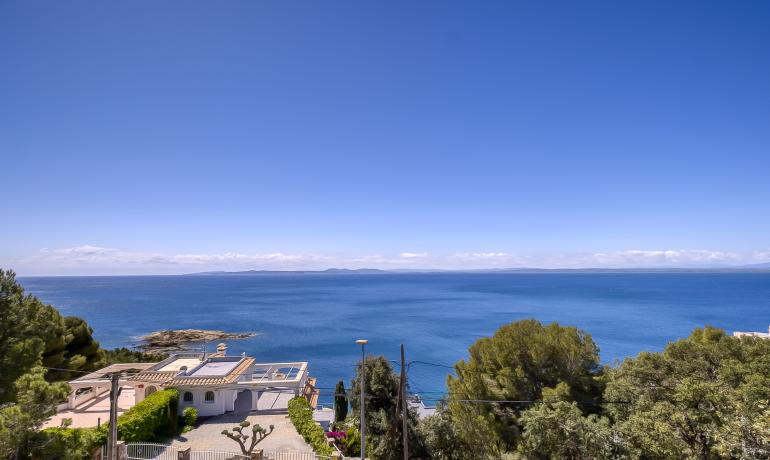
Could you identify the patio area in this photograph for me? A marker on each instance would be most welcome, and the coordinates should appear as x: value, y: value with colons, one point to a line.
x: 93, y: 411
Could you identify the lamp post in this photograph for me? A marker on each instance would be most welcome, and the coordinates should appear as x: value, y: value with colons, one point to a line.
x: 363, y: 343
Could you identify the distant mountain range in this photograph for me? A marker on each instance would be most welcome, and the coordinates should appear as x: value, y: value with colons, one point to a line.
x: 328, y: 271
x: 762, y: 267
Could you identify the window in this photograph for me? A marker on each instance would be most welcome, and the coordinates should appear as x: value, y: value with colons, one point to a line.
x: 187, y: 397
x: 149, y: 390
x: 209, y: 398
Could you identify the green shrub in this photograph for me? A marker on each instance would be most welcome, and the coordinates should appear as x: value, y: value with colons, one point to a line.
x: 351, y: 443
x: 189, y: 418
x: 301, y: 415
x: 63, y: 443
x: 152, y: 419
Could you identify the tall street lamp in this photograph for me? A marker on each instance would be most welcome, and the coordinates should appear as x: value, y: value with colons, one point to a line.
x: 363, y: 343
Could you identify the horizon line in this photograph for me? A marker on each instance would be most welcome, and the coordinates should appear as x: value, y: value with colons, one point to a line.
x: 751, y: 268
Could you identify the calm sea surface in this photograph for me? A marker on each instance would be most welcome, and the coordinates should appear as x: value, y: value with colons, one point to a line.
x: 317, y: 317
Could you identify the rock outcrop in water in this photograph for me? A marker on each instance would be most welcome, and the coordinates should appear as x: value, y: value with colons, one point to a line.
x: 173, y: 340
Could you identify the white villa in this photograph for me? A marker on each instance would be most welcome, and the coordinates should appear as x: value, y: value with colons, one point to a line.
x: 763, y: 335
x: 213, y: 384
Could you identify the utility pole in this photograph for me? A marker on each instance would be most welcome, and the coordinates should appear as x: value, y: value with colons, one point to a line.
x: 363, y: 343
x: 404, y: 407
x: 112, y: 440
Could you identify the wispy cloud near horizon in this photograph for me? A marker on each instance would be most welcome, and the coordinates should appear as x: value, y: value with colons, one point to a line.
x: 92, y: 259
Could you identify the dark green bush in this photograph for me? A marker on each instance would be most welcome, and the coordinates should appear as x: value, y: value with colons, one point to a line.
x: 189, y: 418
x: 63, y: 443
x: 301, y: 415
x: 152, y: 419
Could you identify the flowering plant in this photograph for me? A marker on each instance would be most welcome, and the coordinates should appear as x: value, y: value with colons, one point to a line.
x: 336, y: 435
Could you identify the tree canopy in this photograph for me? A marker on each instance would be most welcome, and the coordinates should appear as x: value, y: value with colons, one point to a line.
x: 516, y: 364
x: 28, y: 329
x: 36, y: 400
x: 33, y: 333
x: 39, y: 346
x: 383, y: 429
x: 703, y: 397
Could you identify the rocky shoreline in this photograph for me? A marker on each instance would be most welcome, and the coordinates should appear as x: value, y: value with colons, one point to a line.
x: 176, y: 340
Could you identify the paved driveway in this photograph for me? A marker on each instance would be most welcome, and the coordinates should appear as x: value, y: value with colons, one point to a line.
x: 208, y: 435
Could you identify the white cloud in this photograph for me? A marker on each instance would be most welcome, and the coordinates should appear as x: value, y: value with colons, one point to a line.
x: 97, y: 259
x: 482, y: 255
x: 92, y: 259
x: 681, y: 257
x: 85, y: 250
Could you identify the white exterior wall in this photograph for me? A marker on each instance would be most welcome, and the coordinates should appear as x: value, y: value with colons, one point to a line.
x: 223, y: 401
x: 230, y: 399
x: 255, y: 399
x: 139, y: 392
x: 74, y: 401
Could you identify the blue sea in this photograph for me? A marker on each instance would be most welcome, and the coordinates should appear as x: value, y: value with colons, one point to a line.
x: 317, y: 317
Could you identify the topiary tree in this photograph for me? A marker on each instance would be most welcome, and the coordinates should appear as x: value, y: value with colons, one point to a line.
x: 258, y: 434
x: 340, y: 402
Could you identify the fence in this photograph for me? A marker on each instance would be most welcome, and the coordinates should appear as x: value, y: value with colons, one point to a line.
x: 291, y: 455
x: 207, y: 454
x: 150, y: 451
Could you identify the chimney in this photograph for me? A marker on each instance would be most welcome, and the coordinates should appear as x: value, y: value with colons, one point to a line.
x: 222, y: 349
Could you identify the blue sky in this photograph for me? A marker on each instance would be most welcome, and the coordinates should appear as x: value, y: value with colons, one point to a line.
x: 175, y: 136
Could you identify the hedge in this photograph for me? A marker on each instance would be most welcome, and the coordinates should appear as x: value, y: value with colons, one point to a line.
x: 301, y: 415
x: 152, y: 419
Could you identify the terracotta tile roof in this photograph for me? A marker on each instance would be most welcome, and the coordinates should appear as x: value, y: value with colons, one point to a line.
x: 153, y: 376
x: 231, y: 377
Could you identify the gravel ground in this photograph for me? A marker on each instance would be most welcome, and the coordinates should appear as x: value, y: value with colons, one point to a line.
x: 208, y: 435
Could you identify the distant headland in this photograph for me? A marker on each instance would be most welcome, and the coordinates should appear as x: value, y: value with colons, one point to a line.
x: 754, y: 268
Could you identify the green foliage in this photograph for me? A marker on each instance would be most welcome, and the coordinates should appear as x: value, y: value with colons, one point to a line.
x: 518, y: 363
x: 124, y: 355
x: 703, y: 397
x: 301, y: 415
x: 381, y: 386
x: 28, y: 328
x: 36, y: 334
x: 340, y: 402
x: 75, y: 350
x: 560, y: 430
x: 189, y: 418
x: 67, y: 443
x: 384, y: 438
x: 441, y: 437
x: 351, y: 443
x: 154, y: 418
x: 36, y: 400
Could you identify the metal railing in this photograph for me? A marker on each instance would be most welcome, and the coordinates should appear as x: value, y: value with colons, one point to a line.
x: 290, y: 455
x: 153, y: 451
x: 207, y: 454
